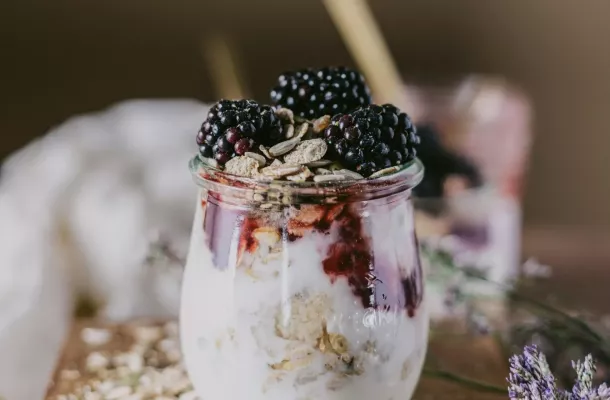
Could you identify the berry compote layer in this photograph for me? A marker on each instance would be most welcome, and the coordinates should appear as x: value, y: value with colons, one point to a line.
x: 304, y: 301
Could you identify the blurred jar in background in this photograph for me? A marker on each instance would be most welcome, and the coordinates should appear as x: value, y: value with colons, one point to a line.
x: 475, y: 145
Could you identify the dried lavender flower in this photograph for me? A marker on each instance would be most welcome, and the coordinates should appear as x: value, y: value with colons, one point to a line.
x: 530, y: 377
x: 601, y: 393
x: 583, y: 388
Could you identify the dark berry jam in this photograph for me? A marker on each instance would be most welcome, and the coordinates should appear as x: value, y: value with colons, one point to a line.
x: 373, y: 278
x: 386, y: 282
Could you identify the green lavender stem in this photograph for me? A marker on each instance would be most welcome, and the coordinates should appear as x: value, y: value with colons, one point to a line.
x: 463, y: 381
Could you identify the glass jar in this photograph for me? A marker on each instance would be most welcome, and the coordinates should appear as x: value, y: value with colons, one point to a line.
x: 298, y: 291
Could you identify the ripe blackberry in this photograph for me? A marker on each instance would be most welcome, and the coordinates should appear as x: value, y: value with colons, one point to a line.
x: 440, y: 164
x: 372, y: 138
x: 313, y: 93
x: 236, y: 126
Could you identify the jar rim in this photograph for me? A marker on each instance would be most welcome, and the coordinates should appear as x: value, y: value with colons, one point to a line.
x: 406, y: 178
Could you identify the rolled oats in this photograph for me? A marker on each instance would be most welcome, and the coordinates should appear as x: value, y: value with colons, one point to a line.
x: 95, y: 337
x: 242, y: 166
x: 260, y: 159
x: 96, y: 361
x: 118, y: 393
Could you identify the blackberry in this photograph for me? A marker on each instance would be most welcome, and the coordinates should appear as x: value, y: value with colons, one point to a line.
x: 233, y: 127
x: 440, y: 164
x: 313, y: 93
x: 372, y: 138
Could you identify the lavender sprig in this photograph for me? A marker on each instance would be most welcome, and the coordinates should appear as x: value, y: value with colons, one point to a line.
x: 582, y: 389
x: 530, y: 377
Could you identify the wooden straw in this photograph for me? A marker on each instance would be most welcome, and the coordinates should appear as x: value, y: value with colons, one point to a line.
x: 224, y: 68
x: 356, y: 24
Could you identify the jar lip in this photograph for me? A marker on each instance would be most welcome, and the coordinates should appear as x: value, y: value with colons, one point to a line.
x: 407, y: 177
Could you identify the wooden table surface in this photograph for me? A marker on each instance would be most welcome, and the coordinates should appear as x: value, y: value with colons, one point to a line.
x: 582, y: 286
x: 475, y: 357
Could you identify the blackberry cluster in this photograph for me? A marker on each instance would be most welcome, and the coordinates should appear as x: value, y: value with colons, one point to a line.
x: 372, y: 138
x: 234, y: 127
x: 440, y: 164
x: 312, y: 93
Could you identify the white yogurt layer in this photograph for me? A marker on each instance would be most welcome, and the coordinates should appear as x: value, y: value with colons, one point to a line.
x: 274, y: 326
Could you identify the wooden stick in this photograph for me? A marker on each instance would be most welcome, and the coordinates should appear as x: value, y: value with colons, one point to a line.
x: 363, y: 38
x: 226, y: 75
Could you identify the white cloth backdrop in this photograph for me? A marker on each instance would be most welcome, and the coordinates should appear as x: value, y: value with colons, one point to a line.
x: 77, y: 210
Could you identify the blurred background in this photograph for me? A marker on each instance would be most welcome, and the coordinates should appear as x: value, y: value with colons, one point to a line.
x: 531, y: 75
x: 66, y: 57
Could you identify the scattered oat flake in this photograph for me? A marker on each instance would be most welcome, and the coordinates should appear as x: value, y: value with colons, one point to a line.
x: 95, y: 337
x: 118, y: 393
x: 96, y: 361
x: 69, y: 374
x: 242, y: 166
x: 306, y: 152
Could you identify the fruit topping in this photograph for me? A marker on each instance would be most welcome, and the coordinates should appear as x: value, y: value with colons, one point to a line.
x: 234, y: 127
x: 372, y: 138
x: 313, y: 93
